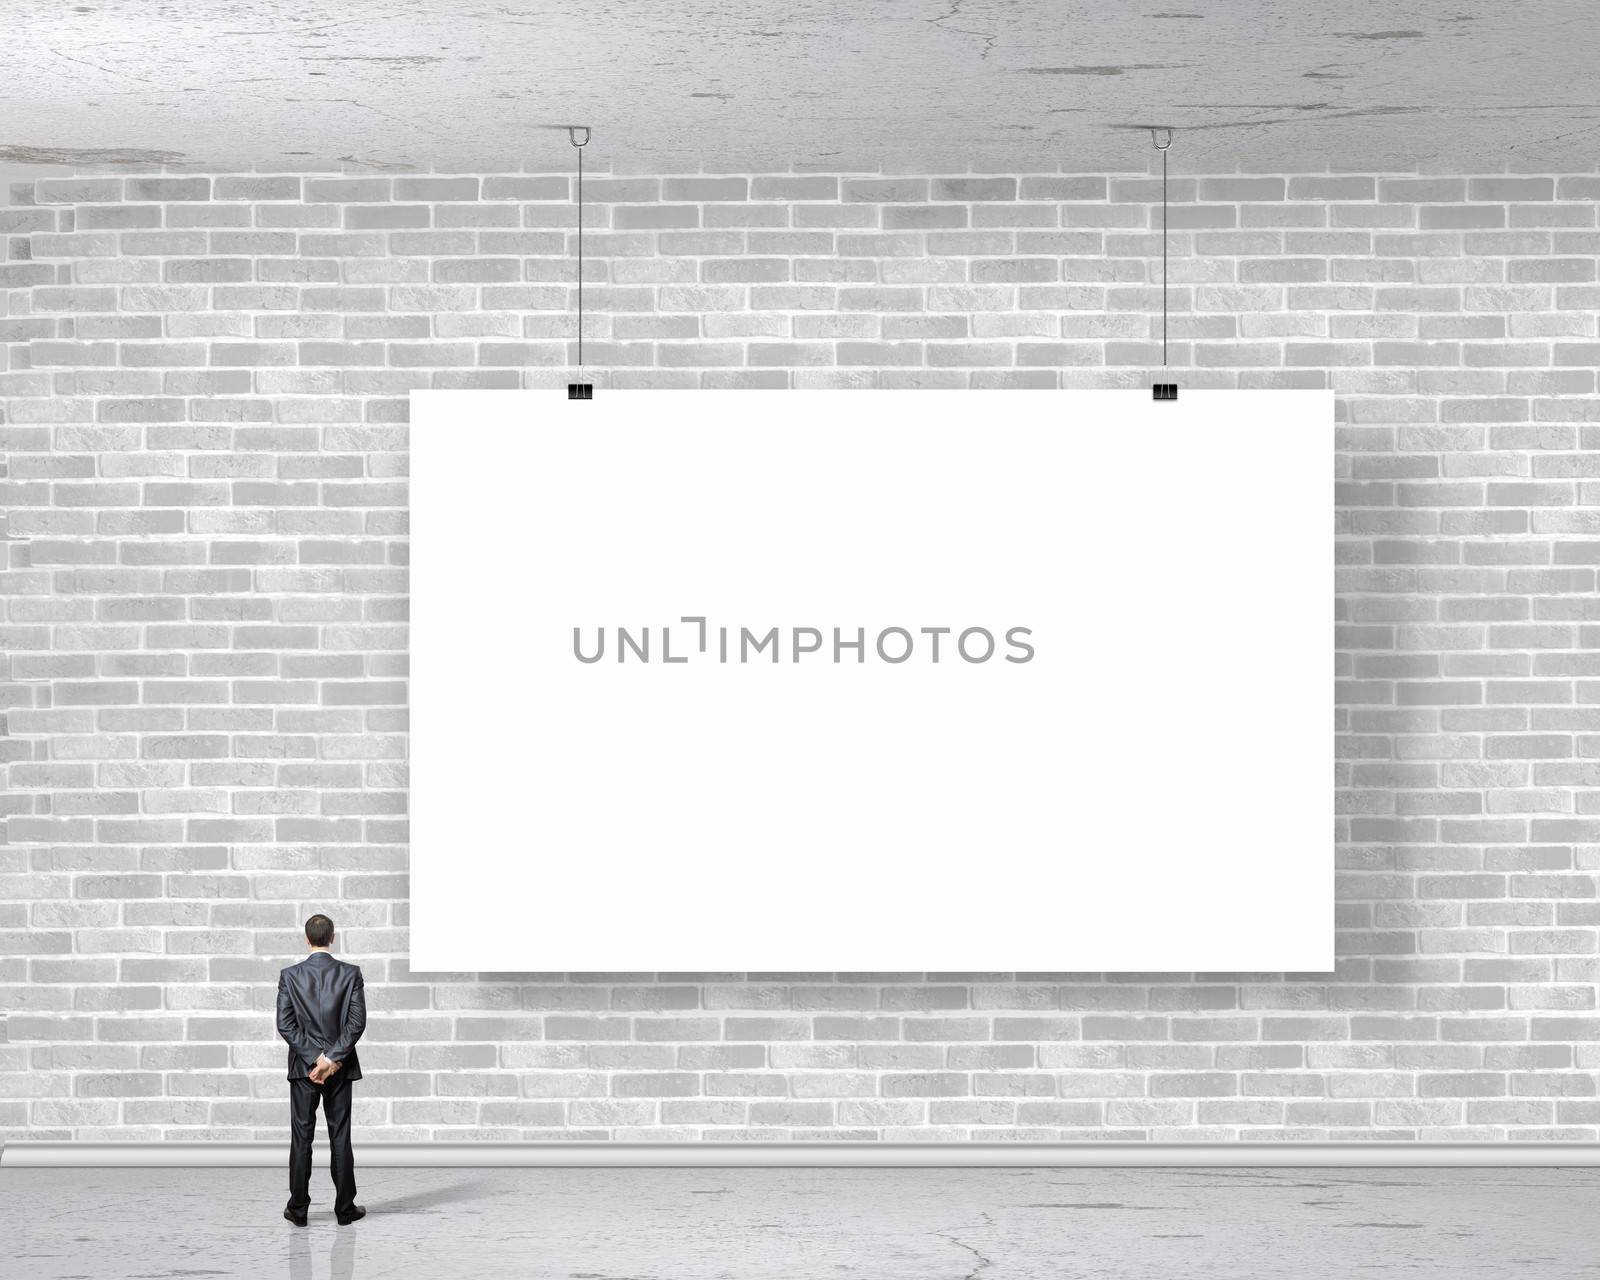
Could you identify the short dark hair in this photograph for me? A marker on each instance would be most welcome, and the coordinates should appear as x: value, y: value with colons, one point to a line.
x: 319, y: 931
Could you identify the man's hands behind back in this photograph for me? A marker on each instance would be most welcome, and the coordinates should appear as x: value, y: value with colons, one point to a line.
x: 323, y: 1069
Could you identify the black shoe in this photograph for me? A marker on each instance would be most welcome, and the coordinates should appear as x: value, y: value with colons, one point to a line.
x: 355, y: 1215
x: 299, y: 1219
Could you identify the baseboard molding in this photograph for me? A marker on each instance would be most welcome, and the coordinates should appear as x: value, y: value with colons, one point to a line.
x: 831, y: 1155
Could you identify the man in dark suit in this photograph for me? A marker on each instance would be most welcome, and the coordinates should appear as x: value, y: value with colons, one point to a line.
x: 322, y: 1011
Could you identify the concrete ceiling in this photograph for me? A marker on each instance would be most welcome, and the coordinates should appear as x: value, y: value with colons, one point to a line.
x: 685, y: 84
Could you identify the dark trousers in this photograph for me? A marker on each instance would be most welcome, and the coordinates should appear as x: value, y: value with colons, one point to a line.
x: 334, y: 1094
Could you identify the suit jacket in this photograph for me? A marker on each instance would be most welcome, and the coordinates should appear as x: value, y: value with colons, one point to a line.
x: 322, y: 1009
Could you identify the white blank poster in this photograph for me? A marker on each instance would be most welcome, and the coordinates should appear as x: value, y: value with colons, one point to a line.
x: 743, y: 681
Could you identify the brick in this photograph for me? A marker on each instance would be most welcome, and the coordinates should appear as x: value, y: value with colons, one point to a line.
x: 79, y: 190
x: 794, y: 188
x: 973, y: 189
x: 654, y: 216
x: 895, y: 190
x: 252, y: 188
x: 540, y: 188
x: 387, y: 216
x: 349, y: 190
x: 120, y: 217
x: 695, y: 190
x: 208, y: 271
x: 436, y: 189
x: 168, y: 189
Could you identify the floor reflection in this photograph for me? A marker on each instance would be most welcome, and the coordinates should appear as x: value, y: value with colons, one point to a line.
x: 341, y: 1253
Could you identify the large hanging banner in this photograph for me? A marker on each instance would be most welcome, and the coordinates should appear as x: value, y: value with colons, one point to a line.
x: 745, y: 681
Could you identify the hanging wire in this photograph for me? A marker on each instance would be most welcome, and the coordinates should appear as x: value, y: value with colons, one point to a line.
x: 1162, y: 147
x: 573, y: 131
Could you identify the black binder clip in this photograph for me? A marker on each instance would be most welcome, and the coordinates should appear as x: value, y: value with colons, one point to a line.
x: 580, y: 391
x: 1164, y: 391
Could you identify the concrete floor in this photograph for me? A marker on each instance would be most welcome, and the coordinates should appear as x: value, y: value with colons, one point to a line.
x: 792, y: 1224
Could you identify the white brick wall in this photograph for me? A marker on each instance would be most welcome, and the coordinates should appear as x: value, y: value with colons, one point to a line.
x: 204, y: 385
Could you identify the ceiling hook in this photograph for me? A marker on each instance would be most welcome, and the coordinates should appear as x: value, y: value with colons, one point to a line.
x: 573, y: 130
x: 1156, y: 140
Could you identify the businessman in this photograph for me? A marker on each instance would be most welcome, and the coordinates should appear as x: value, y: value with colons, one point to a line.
x: 322, y: 1011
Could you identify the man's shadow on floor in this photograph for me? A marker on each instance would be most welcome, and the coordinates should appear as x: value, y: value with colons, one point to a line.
x: 431, y: 1198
